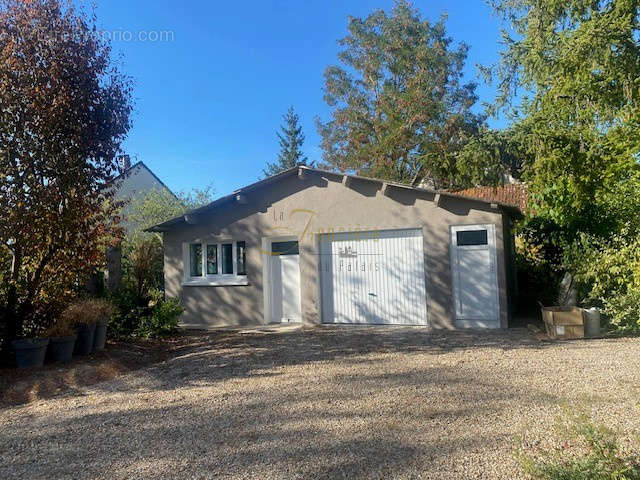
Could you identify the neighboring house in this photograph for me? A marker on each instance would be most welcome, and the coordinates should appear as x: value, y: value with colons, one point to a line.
x: 135, y: 181
x: 312, y: 246
x: 511, y: 194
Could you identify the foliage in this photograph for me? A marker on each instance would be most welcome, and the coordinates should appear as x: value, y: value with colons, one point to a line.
x: 60, y: 328
x: 143, y: 264
x: 400, y: 109
x: 291, y: 139
x: 103, y: 309
x: 590, y: 452
x: 86, y: 312
x: 569, y: 75
x: 65, y: 111
x: 154, y: 318
x: 160, y: 205
x: 140, y: 308
x: 129, y: 310
x: 538, y: 261
x: 608, y: 274
x: 579, y: 64
x: 162, y: 321
x: 486, y: 159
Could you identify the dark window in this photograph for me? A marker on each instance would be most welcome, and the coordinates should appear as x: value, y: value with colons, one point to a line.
x: 195, y: 255
x: 212, y: 259
x: 242, y: 258
x: 285, y: 248
x: 227, y: 259
x: 471, y: 237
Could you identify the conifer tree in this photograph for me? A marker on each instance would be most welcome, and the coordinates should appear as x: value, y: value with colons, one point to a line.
x: 291, y: 139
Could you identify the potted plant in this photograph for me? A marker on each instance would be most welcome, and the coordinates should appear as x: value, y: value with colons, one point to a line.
x: 30, y: 352
x: 82, y: 316
x: 62, y: 340
x: 104, y: 312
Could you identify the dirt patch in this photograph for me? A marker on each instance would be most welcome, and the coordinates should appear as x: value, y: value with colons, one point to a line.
x: 20, y: 386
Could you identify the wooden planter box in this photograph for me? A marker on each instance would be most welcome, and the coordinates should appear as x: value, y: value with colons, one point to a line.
x: 564, y: 322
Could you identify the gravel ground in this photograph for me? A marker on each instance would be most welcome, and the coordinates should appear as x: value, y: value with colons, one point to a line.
x: 326, y: 403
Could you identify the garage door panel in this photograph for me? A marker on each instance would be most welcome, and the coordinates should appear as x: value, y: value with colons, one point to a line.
x: 373, y: 278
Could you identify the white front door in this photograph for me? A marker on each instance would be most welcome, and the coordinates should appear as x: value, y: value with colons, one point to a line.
x: 475, y: 280
x: 285, y: 282
x: 373, y: 277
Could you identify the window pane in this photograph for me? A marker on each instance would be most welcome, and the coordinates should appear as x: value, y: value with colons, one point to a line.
x: 285, y: 248
x: 242, y: 258
x: 471, y: 237
x: 212, y: 259
x: 195, y: 254
x: 227, y: 258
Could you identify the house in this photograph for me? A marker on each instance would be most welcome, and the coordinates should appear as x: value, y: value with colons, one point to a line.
x: 514, y: 193
x: 313, y: 246
x: 135, y: 181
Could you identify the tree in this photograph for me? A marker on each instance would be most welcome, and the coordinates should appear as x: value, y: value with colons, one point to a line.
x: 578, y: 64
x: 291, y: 139
x: 570, y: 75
x: 160, y: 205
x: 492, y: 155
x: 400, y: 108
x: 64, y: 111
x: 143, y: 255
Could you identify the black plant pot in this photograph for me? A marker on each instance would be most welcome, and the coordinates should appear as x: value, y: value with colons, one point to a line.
x: 30, y: 352
x: 84, y: 342
x: 61, y: 348
x: 100, y: 337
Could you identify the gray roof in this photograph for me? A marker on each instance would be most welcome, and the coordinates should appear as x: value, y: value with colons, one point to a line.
x: 181, y: 220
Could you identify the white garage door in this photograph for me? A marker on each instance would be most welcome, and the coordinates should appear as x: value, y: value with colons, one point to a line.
x: 373, y: 278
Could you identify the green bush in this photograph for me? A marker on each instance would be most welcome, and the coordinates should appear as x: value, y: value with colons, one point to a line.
x: 129, y: 310
x: 155, y: 318
x: 162, y: 321
x: 538, y: 261
x: 588, y: 452
x: 608, y: 274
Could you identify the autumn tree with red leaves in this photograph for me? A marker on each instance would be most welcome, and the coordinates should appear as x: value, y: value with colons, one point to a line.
x: 64, y: 112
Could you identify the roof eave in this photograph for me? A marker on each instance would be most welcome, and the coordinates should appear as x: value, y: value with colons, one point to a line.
x: 169, y: 224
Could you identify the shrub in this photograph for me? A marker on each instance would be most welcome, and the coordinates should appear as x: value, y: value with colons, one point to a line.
x: 608, y: 274
x: 103, y: 310
x: 588, y: 452
x: 162, y: 321
x: 156, y: 318
x: 538, y: 261
x: 87, y: 312
x: 129, y: 310
x: 60, y: 328
x: 76, y: 314
x: 143, y: 263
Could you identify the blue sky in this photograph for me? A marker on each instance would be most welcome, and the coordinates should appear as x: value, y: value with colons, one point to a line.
x: 210, y: 99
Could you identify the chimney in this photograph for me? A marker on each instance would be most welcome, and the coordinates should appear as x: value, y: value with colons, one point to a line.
x: 125, y: 162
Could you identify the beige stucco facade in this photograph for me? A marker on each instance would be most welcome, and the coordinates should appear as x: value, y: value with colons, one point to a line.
x: 320, y: 202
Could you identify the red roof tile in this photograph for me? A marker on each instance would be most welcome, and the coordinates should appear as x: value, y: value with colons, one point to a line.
x: 513, y: 194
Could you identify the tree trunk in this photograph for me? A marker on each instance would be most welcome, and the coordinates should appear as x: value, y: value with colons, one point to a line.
x: 12, y: 321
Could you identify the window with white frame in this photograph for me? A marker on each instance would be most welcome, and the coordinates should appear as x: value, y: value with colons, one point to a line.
x: 216, y: 263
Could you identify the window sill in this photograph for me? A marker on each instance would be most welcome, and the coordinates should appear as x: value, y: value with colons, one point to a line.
x: 216, y: 282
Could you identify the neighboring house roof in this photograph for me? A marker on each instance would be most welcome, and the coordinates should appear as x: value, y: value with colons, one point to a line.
x: 131, y: 169
x: 514, y: 194
x: 236, y: 196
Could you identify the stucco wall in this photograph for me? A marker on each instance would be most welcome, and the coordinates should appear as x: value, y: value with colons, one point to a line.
x: 318, y: 203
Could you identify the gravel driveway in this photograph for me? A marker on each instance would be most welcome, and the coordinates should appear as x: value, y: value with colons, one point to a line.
x: 325, y: 403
